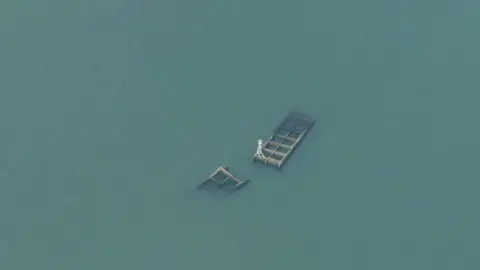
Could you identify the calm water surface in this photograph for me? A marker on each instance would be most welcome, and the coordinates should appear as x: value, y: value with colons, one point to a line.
x: 112, y: 111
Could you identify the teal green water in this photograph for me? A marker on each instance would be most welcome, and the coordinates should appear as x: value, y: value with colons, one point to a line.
x: 112, y: 111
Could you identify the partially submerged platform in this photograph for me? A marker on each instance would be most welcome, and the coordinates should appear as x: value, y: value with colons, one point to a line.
x: 285, y: 139
x: 221, y: 180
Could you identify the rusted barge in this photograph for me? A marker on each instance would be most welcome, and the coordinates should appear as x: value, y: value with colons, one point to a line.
x: 285, y: 139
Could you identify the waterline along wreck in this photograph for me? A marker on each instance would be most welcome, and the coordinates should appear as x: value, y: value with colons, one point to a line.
x: 221, y: 181
x: 285, y: 139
